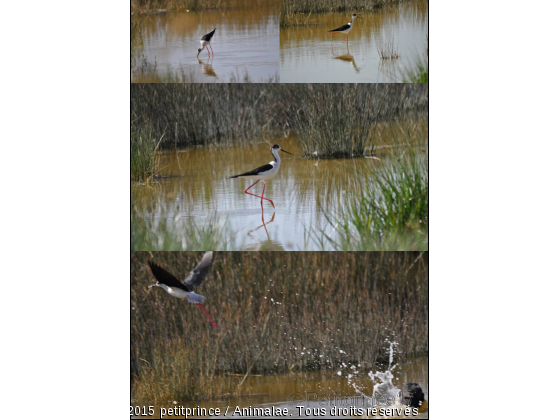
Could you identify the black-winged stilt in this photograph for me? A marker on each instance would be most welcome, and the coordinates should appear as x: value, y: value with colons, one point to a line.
x: 205, y: 41
x: 185, y: 289
x: 264, y: 172
x: 345, y: 29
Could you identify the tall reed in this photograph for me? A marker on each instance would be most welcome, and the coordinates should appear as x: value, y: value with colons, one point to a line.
x: 143, y: 151
x: 333, y: 119
x: 278, y: 312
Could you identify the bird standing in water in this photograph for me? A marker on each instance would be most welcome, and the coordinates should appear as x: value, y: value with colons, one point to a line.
x: 205, y: 41
x: 185, y: 289
x: 345, y: 29
x: 264, y: 172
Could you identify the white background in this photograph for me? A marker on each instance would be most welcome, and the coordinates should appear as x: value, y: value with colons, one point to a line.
x: 494, y: 182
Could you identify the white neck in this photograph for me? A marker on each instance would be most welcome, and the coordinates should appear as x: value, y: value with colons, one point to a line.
x: 352, y: 21
x: 275, y: 154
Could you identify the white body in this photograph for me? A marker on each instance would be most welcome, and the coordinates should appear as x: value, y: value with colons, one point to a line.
x: 272, y: 172
x: 204, y: 43
x: 181, y: 294
x: 350, y: 28
x: 268, y: 174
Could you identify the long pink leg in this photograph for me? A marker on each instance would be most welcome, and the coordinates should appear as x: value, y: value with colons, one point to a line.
x: 207, y: 315
x: 263, y: 198
x: 251, y: 186
x: 346, y: 41
x: 211, y: 49
x: 208, y: 50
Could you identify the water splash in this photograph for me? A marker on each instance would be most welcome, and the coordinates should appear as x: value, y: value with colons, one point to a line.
x: 384, y: 393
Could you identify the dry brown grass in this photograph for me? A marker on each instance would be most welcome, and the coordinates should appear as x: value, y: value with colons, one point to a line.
x: 269, y: 306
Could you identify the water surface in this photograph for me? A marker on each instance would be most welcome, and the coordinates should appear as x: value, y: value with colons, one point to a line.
x: 194, y: 187
x: 312, y: 390
x: 306, y: 54
x: 245, y: 45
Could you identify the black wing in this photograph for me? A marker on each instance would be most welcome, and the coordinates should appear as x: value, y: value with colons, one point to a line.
x: 255, y: 172
x: 199, y: 273
x: 342, y: 28
x: 165, y: 277
x: 209, y: 36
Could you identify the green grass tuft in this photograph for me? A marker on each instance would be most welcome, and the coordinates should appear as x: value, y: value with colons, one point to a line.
x: 143, y: 151
x: 391, y: 213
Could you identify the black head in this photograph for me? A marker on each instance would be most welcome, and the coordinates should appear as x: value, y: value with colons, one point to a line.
x: 355, y: 15
x: 278, y: 148
x: 200, y: 49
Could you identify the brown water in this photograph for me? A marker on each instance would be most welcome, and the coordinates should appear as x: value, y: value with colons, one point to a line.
x: 310, y: 390
x: 306, y: 54
x: 245, y: 45
x: 197, y: 189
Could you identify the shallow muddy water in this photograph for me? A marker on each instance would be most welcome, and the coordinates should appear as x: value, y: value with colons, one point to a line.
x: 312, y: 391
x: 245, y: 45
x: 306, y: 54
x: 194, y: 187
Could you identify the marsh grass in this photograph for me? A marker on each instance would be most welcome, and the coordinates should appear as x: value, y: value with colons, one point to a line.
x: 418, y: 71
x: 334, y: 119
x: 391, y: 213
x: 271, y: 308
x: 297, y: 12
x: 162, y: 6
x: 144, y: 145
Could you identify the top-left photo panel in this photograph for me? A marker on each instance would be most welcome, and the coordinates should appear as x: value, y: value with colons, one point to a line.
x: 204, y: 41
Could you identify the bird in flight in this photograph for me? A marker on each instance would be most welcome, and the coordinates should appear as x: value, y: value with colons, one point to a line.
x: 185, y: 289
x: 205, y: 41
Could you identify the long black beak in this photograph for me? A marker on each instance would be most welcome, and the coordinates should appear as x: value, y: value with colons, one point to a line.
x: 282, y: 150
x: 358, y: 17
x: 198, y: 54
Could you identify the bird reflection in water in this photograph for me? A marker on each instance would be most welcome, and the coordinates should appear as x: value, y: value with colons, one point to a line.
x: 262, y: 226
x: 264, y: 244
x: 207, y: 68
x: 349, y: 58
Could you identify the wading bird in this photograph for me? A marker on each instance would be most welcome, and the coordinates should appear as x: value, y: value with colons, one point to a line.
x: 205, y: 41
x: 185, y: 289
x: 345, y: 29
x: 263, y: 173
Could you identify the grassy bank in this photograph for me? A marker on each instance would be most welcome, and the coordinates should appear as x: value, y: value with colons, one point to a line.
x: 297, y: 12
x: 326, y: 115
x: 392, y: 212
x: 278, y: 312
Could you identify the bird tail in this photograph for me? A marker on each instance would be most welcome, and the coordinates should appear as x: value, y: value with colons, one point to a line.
x: 234, y: 176
x: 195, y: 298
x: 205, y: 312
